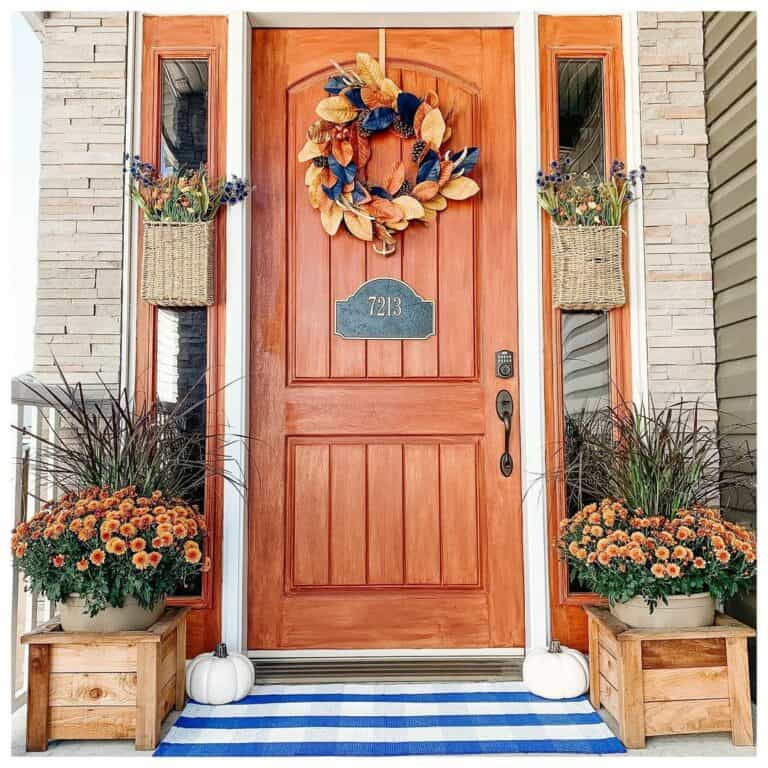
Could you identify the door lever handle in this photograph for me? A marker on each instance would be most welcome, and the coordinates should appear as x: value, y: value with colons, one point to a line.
x: 504, y: 408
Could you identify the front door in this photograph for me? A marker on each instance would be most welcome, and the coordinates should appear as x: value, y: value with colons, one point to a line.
x: 379, y: 517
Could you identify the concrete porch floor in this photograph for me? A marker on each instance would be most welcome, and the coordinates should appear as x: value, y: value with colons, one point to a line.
x: 702, y: 745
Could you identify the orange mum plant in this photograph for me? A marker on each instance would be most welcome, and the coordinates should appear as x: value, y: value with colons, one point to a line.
x: 107, y: 545
x: 620, y: 553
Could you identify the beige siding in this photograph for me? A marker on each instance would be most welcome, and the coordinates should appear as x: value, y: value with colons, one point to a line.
x: 81, y: 196
x: 730, y: 78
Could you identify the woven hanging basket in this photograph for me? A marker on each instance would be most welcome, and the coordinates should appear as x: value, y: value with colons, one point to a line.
x: 177, y: 264
x: 587, y: 268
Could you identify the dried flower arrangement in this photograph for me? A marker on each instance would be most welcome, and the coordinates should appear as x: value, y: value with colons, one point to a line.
x: 183, y: 196
x: 362, y: 103
x: 621, y: 554
x: 584, y: 200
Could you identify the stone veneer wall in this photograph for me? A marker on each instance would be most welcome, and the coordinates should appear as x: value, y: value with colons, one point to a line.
x: 681, y: 343
x: 81, y: 195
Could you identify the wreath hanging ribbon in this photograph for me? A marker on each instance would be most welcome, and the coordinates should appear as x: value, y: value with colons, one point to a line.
x: 362, y: 103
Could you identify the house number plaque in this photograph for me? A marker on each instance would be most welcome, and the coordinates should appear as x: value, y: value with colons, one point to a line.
x: 384, y: 308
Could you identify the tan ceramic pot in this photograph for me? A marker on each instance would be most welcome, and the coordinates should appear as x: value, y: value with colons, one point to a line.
x: 131, y: 616
x: 682, y: 611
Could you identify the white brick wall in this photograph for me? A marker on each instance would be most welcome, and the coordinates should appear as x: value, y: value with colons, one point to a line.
x: 81, y: 196
x: 681, y: 344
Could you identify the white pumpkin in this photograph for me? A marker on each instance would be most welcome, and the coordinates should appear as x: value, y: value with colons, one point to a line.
x: 556, y: 672
x: 219, y: 677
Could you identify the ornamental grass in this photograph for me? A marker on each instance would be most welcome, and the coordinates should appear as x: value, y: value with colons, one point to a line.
x: 620, y: 553
x: 107, y: 545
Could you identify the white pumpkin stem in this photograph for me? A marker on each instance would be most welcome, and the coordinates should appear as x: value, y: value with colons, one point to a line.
x: 221, y: 651
x: 554, y: 646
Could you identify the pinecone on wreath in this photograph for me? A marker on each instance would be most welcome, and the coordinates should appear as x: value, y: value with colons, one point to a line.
x: 320, y: 162
x: 417, y: 150
x: 405, y: 189
x: 403, y: 129
x: 362, y: 115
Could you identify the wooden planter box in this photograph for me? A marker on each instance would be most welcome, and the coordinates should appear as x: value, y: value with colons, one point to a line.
x: 660, y: 682
x: 91, y: 685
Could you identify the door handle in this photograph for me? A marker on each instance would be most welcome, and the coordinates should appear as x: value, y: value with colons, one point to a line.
x: 504, y: 408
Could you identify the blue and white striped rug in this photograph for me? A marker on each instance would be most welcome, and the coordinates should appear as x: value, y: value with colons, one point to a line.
x: 389, y: 719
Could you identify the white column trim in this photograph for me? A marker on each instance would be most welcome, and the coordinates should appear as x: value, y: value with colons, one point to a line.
x: 531, y: 333
x: 637, y: 308
x: 234, y: 586
x: 132, y: 141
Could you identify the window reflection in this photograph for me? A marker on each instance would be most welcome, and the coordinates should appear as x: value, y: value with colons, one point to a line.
x: 182, y: 348
x: 581, y: 114
x: 184, y: 134
x: 586, y: 362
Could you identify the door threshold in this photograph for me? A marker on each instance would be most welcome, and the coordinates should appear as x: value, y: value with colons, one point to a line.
x: 387, y: 666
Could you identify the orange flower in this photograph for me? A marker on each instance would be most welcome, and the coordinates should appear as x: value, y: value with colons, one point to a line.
x: 699, y: 562
x: 717, y: 542
x: 127, y: 530
x: 680, y: 552
x: 57, y: 560
x: 110, y: 525
x: 21, y: 550
x: 723, y: 556
x: 658, y: 570
x: 207, y: 563
x: 155, y: 558
x: 596, y: 531
x: 611, y: 550
x: 572, y: 547
x: 164, y: 540
x: 673, y: 570
x: 603, y: 558
x: 683, y: 533
x: 192, y: 554
x: 97, y: 557
x: 157, y: 495
x: 86, y: 534
x: 138, y: 545
x: 140, y: 560
x: 82, y: 564
x: 662, y: 553
x: 116, y: 546
x: 179, y: 530
x: 581, y: 554
x: 638, y: 537
x: 591, y: 557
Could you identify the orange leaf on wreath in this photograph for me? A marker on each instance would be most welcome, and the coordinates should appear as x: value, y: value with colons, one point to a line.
x: 383, y: 210
x: 425, y: 191
x: 343, y: 151
x: 421, y: 113
x: 395, y: 178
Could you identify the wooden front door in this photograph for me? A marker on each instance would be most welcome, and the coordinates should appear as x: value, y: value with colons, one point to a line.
x: 379, y: 517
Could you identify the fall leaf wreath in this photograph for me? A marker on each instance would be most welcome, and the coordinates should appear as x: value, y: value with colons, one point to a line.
x: 362, y: 103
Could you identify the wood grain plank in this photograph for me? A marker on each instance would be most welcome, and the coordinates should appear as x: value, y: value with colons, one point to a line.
x: 683, y: 653
x: 458, y: 512
x: 385, y: 513
x: 92, y: 689
x: 595, y: 660
x: 691, y: 716
x: 738, y: 691
x: 148, y: 716
x: 310, y: 514
x: 456, y: 308
x: 422, y: 513
x: 384, y: 357
x: 420, y: 255
x: 348, y: 540
x: 347, y: 274
x: 39, y: 664
x: 609, y: 697
x: 310, y: 278
x: 181, y: 666
x: 92, y: 658
x: 631, y: 719
x: 694, y: 683
x: 92, y: 723
x: 609, y: 667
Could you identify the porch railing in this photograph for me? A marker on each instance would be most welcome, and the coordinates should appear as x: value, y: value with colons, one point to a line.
x: 30, y: 490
